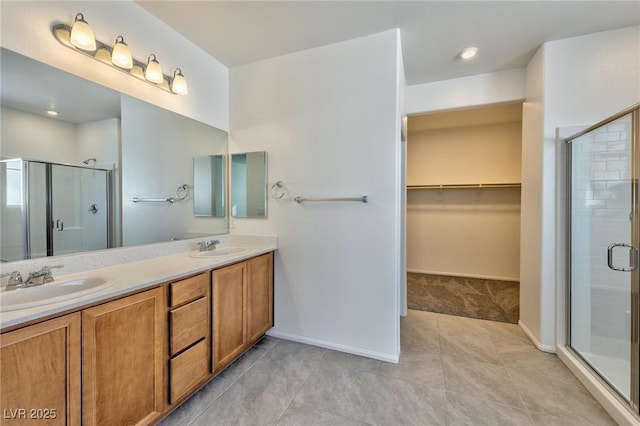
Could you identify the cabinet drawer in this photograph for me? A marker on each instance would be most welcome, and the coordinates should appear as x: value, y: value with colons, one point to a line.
x: 189, y: 369
x: 188, y: 324
x: 189, y: 289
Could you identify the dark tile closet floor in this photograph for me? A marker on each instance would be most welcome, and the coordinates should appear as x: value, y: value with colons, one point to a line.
x: 467, y: 297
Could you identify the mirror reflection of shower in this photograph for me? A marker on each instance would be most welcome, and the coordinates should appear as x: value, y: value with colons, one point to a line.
x: 48, y: 209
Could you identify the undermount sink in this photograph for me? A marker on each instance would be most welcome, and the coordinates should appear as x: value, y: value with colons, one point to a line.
x: 219, y: 252
x: 49, y: 293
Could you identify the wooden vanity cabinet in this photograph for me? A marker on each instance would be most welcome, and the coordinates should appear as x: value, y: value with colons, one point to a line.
x: 189, y: 335
x: 123, y: 355
x: 242, y: 307
x: 229, y: 311
x: 40, y: 374
x: 259, y: 297
x: 132, y: 360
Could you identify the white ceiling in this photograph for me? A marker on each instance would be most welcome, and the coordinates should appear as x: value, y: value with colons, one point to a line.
x: 507, y: 33
x: 34, y: 87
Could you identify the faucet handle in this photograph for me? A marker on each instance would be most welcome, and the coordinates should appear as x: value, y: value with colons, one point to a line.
x: 15, y: 279
x: 46, y: 272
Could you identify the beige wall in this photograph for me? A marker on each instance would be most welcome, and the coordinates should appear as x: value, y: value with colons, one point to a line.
x: 488, y: 153
x: 465, y: 232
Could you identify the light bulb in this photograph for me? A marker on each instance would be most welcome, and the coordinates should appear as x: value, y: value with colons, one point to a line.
x: 82, y: 35
x: 469, y: 52
x: 153, y: 73
x: 121, y: 55
x: 179, y: 83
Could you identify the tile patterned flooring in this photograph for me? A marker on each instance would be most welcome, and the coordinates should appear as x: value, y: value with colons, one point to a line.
x: 468, y: 297
x: 452, y: 371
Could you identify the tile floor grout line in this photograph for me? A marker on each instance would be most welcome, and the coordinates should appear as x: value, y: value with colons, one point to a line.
x: 444, y: 376
x: 513, y: 383
x: 301, y: 387
x: 370, y: 398
x: 511, y: 380
x: 230, y: 381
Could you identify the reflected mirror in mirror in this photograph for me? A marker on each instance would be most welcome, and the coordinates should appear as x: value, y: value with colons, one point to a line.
x: 148, y: 150
x: 249, y: 184
x: 208, y: 186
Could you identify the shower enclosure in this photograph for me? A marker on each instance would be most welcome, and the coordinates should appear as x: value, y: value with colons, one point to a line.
x: 50, y: 209
x: 603, y: 241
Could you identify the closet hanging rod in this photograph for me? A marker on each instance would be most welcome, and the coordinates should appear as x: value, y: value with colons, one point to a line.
x: 363, y: 199
x: 466, y: 186
x: 153, y: 200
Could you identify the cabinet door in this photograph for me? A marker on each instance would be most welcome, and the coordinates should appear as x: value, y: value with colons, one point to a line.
x: 259, y: 296
x: 229, y: 331
x: 40, y: 373
x: 123, y: 353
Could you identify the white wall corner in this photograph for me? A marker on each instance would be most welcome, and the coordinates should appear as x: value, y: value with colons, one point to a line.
x: 531, y: 198
x: 544, y: 348
x: 401, y: 182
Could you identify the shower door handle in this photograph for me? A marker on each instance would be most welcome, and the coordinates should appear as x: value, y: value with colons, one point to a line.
x: 633, y: 257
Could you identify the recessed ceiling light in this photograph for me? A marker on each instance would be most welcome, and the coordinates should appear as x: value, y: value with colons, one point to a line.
x: 469, y: 52
x: 52, y: 112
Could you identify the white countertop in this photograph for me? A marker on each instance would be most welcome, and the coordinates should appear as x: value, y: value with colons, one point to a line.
x: 138, y: 275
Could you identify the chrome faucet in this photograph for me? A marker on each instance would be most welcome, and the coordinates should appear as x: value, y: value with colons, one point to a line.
x: 14, y: 281
x: 208, y: 245
x: 42, y: 276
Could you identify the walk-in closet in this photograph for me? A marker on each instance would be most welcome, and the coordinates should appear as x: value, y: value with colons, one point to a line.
x: 463, y: 212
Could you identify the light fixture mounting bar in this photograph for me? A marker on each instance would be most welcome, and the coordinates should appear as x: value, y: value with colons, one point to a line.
x: 102, y: 54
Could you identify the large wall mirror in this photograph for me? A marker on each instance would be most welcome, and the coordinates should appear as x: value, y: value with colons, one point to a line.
x: 249, y: 184
x: 121, y: 170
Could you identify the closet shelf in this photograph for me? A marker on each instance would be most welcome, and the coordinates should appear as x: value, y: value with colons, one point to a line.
x: 467, y: 186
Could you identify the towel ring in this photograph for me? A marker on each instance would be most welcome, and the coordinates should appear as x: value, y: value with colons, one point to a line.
x: 182, y: 192
x: 278, y: 190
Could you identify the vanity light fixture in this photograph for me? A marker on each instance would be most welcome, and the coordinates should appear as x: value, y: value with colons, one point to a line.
x: 179, y: 84
x: 80, y: 38
x: 121, y: 55
x: 82, y: 35
x: 51, y: 112
x: 153, y: 72
x: 469, y: 52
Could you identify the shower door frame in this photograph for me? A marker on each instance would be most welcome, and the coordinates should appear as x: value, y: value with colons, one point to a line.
x: 634, y: 399
x: 49, y: 204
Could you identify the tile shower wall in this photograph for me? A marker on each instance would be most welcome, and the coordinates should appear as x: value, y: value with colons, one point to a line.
x: 468, y: 297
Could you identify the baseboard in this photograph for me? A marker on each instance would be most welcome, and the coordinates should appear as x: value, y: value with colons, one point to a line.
x: 610, y: 402
x: 544, y: 348
x: 334, y: 346
x: 455, y: 274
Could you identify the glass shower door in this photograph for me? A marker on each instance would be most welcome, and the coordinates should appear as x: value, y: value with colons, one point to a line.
x: 79, y: 209
x: 603, y: 251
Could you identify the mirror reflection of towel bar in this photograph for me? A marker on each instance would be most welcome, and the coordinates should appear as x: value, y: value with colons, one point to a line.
x: 363, y: 199
x: 153, y: 200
